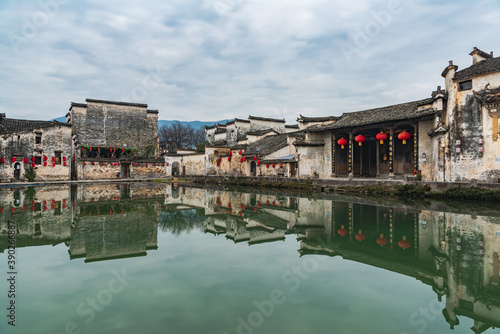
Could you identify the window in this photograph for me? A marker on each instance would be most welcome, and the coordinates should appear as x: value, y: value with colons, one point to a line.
x: 57, y: 154
x: 465, y: 85
x: 38, y: 139
x: 38, y: 160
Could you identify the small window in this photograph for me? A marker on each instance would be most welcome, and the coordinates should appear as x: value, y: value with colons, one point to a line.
x: 38, y: 160
x: 465, y: 85
x: 38, y: 139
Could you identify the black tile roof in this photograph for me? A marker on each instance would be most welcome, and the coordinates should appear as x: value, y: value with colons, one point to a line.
x: 219, y: 130
x: 9, y: 125
x: 483, y: 67
x: 292, y: 126
x: 266, y: 119
x: 398, y: 112
x: 142, y: 105
x: 260, y: 132
x: 237, y: 120
x: 488, y: 95
x: 304, y: 119
x: 309, y: 143
x: 267, y: 145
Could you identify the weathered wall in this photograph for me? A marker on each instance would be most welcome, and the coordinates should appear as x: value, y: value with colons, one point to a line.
x: 109, y: 125
x: 22, y: 145
x: 101, y: 170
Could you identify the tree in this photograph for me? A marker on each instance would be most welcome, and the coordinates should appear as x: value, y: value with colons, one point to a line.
x: 30, y: 174
x: 177, y: 136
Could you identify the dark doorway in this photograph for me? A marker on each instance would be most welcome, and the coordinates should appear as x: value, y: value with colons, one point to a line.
x: 183, y: 170
x: 253, y: 169
x: 175, y: 168
x: 293, y: 170
x: 369, y: 158
x: 17, y: 171
x: 125, y: 171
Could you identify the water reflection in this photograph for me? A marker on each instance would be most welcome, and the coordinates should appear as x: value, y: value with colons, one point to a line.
x: 455, y: 253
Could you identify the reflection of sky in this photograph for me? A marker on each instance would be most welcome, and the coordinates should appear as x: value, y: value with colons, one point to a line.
x: 198, y: 283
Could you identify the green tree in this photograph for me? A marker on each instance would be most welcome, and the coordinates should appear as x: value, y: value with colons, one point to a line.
x: 30, y: 174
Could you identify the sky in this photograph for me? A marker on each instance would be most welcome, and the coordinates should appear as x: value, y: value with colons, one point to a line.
x: 218, y: 59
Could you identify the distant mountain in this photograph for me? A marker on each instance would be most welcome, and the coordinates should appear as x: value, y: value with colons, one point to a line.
x: 194, y: 124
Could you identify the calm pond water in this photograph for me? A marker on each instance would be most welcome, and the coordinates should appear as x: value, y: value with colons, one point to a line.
x: 152, y: 258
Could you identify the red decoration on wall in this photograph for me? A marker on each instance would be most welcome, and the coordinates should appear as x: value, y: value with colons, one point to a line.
x: 342, y: 142
x: 53, y: 164
x: 45, y: 158
x: 25, y: 160
x: 274, y: 165
x: 404, y: 136
x: 241, y: 159
x: 13, y: 159
x: 33, y: 159
x: 360, y: 139
x: 382, y: 241
x: 281, y: 165
x: 2, y: 210
x: 218, y: 164
x: 230, y: 152
x: 220, y: 159
x: 53, y: 159
x: 239, y: 152
x: 64, y: 164
x: 146, y: 165
x: 258, y: 162
x: 45, y: 163
x: 33, y: 164
x: 267, y: 165
x: 405, y: 244
x: 381, y: 136
x: 254, y: 157
x: 228, y: 158
x: 244, y: 159
x: 25, y: 208
x: 2, y: 160
x: 64, y: 158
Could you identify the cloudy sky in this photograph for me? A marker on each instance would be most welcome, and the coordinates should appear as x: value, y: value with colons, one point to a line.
x: 219, y: 59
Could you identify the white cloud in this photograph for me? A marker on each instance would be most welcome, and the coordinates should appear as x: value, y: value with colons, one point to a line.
x: 231, y: 58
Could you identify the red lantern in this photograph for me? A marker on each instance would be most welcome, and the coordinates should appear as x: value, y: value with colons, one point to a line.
x: 93, y: 163
x: 228, y: 158
x: 64, y: 164
x: 33, y: 159
x: 229, y: 205
x: 102, y: 163
x: 84, y: 163
x: 274, y: 165
x: 45, y: 163
x: 239, y: 213
x: 258, y: 205
x: 2, y: 210
x: 218, y: 164
x: 44, y: 203
x: 255, y: 209
x: 360, y: 236
x: 258, y: 162
x: 244, y: 159
x: 342, y: 231
x: 64, y: 158
x: 53, y: 164
x: 230, y: 152
x: 123, y: 150
x: 2, y: 160
x: 13, y: 209
x: 220, y: 159
x: 281, y: 165
x: 239, y: 152
x: 163, y: 165
x: 241, y: 159
x: 267, y: 165
x: 139, y: 164
x: 146, y: 165
x: 382, y: 241
x: 25, y: 160
x: 342, y: 142
x: 45, y: 158
x: 33, y: 164
x: 381, y: 136
x: 254, y: 157
x: 404, y: 136
x: 360, y: 139
x: 404, y: 243
x: 25, y: 208
x: 53, y: 159
x: 13, y: 159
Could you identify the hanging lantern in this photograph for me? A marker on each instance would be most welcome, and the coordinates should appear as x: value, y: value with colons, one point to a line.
x: 53, y: 164
x: 360, y: 139
x: 2, y: 160
x: 25, y: 160
x: 146, y: 165
x: 218, y: 164
x: 267, y: 165
x: 228, y: 158
x: 342, y: 231
x: 33, y: 159
x: 53, y: 159
x: 45, y: 158
x: 404, y: 136
x: 360, y: 236
x: 45, y: 163
x: 382, y: 241
x: 274, y: 165
x: 258, y: 162
x: 123, y: 150
x: 405, y: 244
x: 239, y: 152
x: 244, y: 159
x: 13, y: 159
x: 25, y: 208
x: 64, y: 164
x: 220, y: 159
x: 254, y: 157
x: 241, y: 159
x: 93, y: 163
x: 342, y: 142
x: 281, y: 165
x: 33, y: 164
x: 99, y: 149
x: 84, y: 164
x: 255, y: 209
x: 230, y: 152
x: 64, y: 158
x: 381, y: 136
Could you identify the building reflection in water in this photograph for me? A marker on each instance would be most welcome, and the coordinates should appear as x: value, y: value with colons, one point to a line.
x: 455, y: 253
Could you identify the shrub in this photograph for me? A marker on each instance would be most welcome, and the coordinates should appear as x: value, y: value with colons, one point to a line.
x: 30, y: 174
